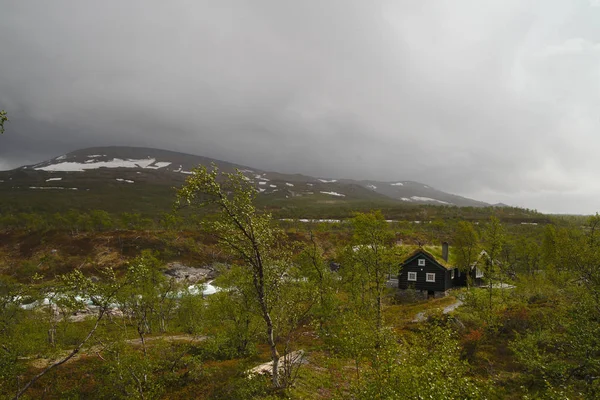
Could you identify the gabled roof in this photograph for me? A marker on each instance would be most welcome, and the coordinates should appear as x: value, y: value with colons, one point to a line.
x: 432, y: 253
x: 483, y: 257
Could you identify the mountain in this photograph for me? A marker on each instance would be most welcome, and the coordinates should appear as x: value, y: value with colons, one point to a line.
x: 123, y: 175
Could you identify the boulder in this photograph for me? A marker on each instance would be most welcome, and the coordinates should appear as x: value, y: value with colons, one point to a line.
x: 183, y: 273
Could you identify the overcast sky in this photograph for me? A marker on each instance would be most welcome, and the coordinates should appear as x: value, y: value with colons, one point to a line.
x: 494, y: 100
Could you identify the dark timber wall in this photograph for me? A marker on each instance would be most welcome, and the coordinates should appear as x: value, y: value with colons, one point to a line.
x: 442, y: 282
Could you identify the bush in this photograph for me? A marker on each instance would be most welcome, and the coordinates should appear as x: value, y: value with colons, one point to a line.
x: 408, y: 296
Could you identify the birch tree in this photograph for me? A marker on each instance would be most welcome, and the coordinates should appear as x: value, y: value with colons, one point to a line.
x: 493, y: 240
x: 466, y: 243
x: 3, y: 119
x: 247, y: 234
x: 371, y: 259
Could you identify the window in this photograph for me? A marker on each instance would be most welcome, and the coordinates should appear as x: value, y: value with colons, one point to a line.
x: 421, y: 262
x: 430, y: 277
x: 478, y: 273
x: 452, y: 274
x: 412, y: 276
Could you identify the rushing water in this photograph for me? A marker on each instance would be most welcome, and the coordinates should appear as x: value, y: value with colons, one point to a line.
x: 205, y: 289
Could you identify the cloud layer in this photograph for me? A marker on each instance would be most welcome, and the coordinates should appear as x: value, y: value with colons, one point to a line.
x: 497, y: 100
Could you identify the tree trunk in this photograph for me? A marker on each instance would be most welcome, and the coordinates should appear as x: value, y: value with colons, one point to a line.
x: 259, y: 285
x: 491, y: 304
x: 272, y: 345
x: 379, y: 315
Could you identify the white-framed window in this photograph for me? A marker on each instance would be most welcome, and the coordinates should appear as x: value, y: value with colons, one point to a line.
x: 421, y: 262
x: 478, y: 273
x: 430, y: 277
x: 412, y: 276
x: 452, y: 274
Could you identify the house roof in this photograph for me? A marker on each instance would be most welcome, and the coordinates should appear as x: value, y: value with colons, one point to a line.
x: 433, y: 252
x: 483, y: 257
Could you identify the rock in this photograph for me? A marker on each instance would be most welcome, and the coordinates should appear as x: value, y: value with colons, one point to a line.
x: 189, y: 274
x: 294, y: 358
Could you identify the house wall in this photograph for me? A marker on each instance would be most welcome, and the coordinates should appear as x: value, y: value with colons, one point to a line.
x: 462, y: 280
x: 449, y: 281
x: 442, y: 275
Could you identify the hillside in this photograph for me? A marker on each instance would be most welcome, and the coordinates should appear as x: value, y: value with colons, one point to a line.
x: 133, y: 178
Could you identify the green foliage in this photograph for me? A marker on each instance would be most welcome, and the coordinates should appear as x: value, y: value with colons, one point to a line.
x: 249, y: 235
x: 235, y: 313
x: 539, y: 340
x: 3, y: 119
x: 100, y: 220
x: 369, y: 261
x: 564, y: 351
x: 12, y: 320
x: 148, y: 299
x: 319, y: 280
x: 128, y: 374
x: 426, y: 365
x: 465, y: 245
x: 247, y: 388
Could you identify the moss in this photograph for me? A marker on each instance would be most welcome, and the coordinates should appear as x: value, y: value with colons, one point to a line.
x: 435, y: 252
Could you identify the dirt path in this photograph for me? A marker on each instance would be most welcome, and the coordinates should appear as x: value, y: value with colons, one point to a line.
x: 422, y: 316
x: 96, y: 350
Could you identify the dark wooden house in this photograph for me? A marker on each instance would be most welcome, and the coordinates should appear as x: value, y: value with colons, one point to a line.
x: 427, y: 273
x: 475, y: 272
x: 433, y: 275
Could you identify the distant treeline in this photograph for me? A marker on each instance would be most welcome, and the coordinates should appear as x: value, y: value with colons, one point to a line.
x: 433, y: 221
x: 407, y: 212
x: 94, y: 220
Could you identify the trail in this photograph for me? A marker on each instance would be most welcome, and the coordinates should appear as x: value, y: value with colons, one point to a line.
x: 97, y: 349
x: 422, y: 316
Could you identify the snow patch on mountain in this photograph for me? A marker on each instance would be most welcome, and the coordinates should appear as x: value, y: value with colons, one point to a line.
x: 124, y: 180
x: 51, y: 187
x: 419, y: 198
x: 114, y: 163
x: 53, y: 179
x: 397, y: 184
x: 328, y: 181
x: 160, y: 164
x: 334, y: 194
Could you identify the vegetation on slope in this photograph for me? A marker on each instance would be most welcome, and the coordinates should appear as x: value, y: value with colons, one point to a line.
x: 537, y: 340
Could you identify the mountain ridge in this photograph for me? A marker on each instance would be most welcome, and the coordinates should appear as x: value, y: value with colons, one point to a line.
x: 131, y: 165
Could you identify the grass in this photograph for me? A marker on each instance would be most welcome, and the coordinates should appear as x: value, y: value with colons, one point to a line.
x: 401, y: 314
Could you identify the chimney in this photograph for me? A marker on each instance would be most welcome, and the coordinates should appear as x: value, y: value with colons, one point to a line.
x: 445, y: 251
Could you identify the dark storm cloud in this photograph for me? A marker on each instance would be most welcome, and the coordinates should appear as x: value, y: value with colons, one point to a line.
x: 496, y: 100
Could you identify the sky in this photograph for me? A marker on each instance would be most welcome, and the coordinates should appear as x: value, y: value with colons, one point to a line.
x: 494, y: 100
